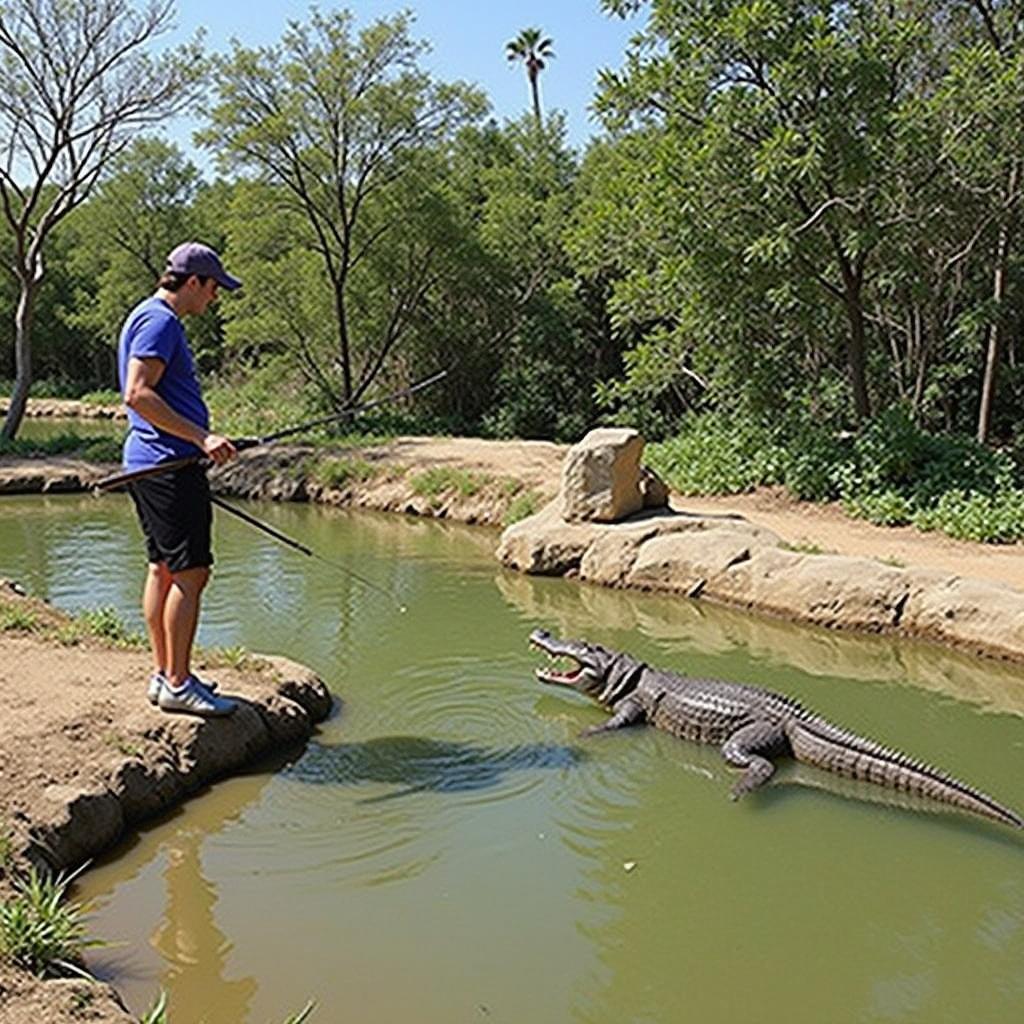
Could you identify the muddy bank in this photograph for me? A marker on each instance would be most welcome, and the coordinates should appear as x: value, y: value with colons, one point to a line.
x: 84, y: 757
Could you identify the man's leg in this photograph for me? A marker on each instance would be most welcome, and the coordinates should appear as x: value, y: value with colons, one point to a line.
x: 154, y: 596
x: 181, y: 614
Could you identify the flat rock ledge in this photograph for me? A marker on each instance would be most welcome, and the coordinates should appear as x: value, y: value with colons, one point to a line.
x: 728, y: 560
x: 84, y: 758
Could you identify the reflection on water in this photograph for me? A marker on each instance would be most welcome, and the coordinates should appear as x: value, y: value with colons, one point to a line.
x: 415, y: 763
x: 173, y: 907
x: 449, y: 849
x: 688, y: 626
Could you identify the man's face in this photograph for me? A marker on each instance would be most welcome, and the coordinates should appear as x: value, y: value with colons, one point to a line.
x: 200, y: 295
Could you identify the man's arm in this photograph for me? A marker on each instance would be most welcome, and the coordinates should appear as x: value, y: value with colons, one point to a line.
x: 140, y: 396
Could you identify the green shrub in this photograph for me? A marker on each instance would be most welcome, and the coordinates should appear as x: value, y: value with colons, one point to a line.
x: 886, y: 508
x: 39, y: 930
x: 718, y: 454
x: 890, y: 472
x: 992, y: 518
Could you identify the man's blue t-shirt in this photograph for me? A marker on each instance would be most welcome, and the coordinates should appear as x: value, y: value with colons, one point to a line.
x: 153, y: 330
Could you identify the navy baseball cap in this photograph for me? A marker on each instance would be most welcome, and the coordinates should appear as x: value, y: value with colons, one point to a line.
x: 195, y: 258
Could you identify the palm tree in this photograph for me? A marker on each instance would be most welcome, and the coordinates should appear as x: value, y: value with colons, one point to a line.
x: 531, y: 49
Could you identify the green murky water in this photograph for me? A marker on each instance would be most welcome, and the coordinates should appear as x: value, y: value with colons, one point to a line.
x: 44, y: 428
x: 448, y: 850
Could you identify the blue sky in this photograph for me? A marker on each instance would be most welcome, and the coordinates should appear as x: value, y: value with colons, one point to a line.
x: 468, y: 42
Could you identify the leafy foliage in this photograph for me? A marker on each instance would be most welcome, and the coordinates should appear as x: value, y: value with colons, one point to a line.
x: 891, y: 472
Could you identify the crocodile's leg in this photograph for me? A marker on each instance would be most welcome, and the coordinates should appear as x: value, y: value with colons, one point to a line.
x: 626, y: 712
x: 745, y: 749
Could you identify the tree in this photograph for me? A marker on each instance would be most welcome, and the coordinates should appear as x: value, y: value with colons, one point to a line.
x: 338, y: 127
x: 1003, y: 27
x: 76, y: 85
x: 531, y: 49
x: 777, y: 147
x: 144, y: 207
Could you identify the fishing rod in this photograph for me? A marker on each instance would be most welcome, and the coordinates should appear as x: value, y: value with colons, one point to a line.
x: 298, y: 546
x: 245, y: 443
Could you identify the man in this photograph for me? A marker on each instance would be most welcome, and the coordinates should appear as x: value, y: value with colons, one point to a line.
x: 168, y: 419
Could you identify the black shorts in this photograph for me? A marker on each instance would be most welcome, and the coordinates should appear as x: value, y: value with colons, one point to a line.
x: 175, y: 512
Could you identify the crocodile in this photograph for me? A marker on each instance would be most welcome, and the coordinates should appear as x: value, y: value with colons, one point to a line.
x: 751, y: 726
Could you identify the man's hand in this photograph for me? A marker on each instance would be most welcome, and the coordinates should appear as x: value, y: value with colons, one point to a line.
x: 218, y: 449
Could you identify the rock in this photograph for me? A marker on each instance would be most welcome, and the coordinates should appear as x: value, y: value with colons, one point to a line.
x: 967, y: 613
x: 829, y: 590
x: 684, y: 563
x: 653, y: 490
x: 543, y: 544
x: 601, y: 476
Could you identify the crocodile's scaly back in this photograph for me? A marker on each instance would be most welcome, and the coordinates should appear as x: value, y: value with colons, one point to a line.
x: 751, y: 725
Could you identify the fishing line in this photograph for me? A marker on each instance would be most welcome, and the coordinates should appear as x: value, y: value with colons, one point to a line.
x: 298, y: 546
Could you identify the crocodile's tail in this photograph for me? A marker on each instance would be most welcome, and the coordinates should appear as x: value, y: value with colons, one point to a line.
x: 818, y: 742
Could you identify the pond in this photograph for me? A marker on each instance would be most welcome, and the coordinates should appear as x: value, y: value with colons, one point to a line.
x: 448, y: 849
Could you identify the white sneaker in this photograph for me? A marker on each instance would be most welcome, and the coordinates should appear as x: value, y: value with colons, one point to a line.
x: 192, y: 698
x: 156, y: 683
x: 158, y: 680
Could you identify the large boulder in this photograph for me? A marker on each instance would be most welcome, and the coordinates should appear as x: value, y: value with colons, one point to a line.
x: 601, y: 476
x: 544, y: 544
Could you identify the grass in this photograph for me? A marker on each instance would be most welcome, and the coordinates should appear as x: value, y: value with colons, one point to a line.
x: 433, y: 483
x: 804, y: 547
x: 104, y: 396
x: 93, y: 449
x: 40, y: 930
x: 236, y: 657
x: 521, y: 506
x: 893, y: 561
x: 105, y: 624
x: 340, y: 472
x: 13, y: 618
x: 122, y: 745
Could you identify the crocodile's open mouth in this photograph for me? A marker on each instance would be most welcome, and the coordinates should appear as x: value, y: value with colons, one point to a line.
x: 560, y: 677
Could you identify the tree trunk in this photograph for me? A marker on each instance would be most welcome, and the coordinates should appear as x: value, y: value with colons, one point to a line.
x: 535, y: 93
x: 22, y: 357
x: 856, y: 344
x: 995, y: 332
x: 344, y: 349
